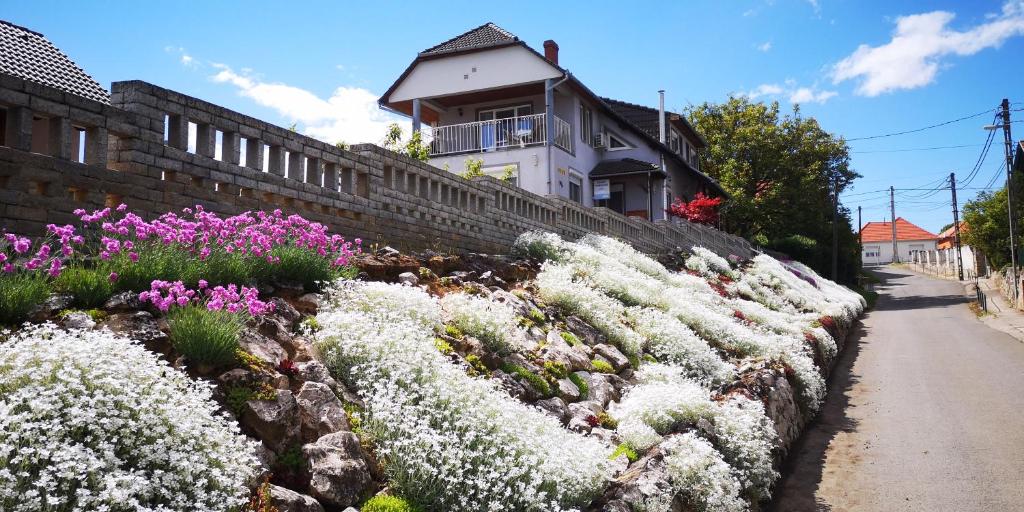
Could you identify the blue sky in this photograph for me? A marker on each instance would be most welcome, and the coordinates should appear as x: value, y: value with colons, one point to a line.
x: 861, y: 67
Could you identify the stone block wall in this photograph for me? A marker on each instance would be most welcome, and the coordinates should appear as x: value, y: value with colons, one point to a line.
x: 60, y: 152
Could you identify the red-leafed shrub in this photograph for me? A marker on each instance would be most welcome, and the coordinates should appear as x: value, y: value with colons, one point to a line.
x: 702, y: 209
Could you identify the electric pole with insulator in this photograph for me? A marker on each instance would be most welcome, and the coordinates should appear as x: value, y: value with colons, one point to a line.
x: 892, y: 211
x: 956, y: 228
x: 835, y: 227
x: 1008, y: 140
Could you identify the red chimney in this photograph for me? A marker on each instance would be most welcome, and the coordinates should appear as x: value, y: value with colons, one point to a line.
x: 551, y: 51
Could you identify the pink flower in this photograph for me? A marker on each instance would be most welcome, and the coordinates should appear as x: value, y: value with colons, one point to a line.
x: 55, y: 266
x: 21, y: 245
x: 134, y: 256
x: 114, y: 277
x: 8, y: 268
x: 203, y: 284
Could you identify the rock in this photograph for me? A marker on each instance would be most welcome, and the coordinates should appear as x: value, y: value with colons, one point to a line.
x: 320, y: 411
x: 263, y: 347
x: 579, y: 412
x: 287, y: 500
x: 606, y: 435
x: 555, y: 407
x: 584, y: 331
x: 276, y: 422
x: 285, y: 312
x: 463, y: 275
x: 388, y: 251
x: 408, y: 278
x: 600, y: 387
x: 236, y: 377
x: 339, y: 473
x: 315, y: 371
x: 124, y: 301
x: 518, y: 305
x: 307, y: 304
x: 137, y: 325
x: 51, y: 306
x: 266, y: 457
x: 617, y: 359
x: 644, y: 484
x: 77, y: 320
x: 556, y: 349
x: 782, y: 407
x: 568, y: 391
x: 510, y: 384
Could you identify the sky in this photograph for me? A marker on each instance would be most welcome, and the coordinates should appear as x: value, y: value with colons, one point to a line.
x: 862, y: 68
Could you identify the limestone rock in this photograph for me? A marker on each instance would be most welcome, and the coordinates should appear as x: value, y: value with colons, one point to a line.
x: 307, y: 304
x: 584, y: 331
x: 556, y: 407
x: 276, y: 422
x: 77, y: 320
x: 568, y: 391
x: 611, y: 354
x: 124, y: 301
x: 601, y: 387
x: 408, y: 278
x: 320, y: 411
x: 287, y: 500
x: 339, y: 473
x: 263, y: 347
x: 556, y: 349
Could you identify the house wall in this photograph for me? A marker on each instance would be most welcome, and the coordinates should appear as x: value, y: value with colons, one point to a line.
x: 367, y: 192
x: 476, y: 71
x: 884, y: 253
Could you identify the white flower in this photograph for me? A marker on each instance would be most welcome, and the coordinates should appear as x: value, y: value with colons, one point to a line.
x: 92, y: 421
x: 698, y: 473
x: 493, y: 323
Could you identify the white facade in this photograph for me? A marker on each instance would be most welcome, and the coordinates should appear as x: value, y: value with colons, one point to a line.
x: 880, y: 253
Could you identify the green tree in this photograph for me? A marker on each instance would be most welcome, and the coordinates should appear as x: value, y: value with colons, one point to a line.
x: 988, y: 226
x: 415, y: 147
x: 780, y: 172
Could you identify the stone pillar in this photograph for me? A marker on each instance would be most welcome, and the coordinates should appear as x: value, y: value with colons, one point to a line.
x: 206, y: 140
x: 60, y: 138
x: 295, y: 170
x: 177, y: 131
x: 331, y: 176
x: 18, y: 134
x: 313, y: 173
x: 96, y: 146
x: 276, y: 161
x: 230, y: 148
x: 254, y: 154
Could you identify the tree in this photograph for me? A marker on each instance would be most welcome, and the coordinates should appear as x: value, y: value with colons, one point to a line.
x: 780, y: 172
x: 414, y: 147
x: 702, y: 210
x: 989, y: 223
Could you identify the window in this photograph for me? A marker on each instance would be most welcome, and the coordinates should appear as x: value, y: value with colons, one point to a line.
x: 504, y: 112
x: 616, y: 143
x: 575, y: 186
x: 586, y: 125
x: 674, y: 143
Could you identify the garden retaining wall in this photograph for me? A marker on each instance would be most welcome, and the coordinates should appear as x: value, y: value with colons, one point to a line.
x: 60, y: 152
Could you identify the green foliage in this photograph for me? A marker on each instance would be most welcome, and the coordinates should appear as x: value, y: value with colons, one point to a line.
x: 453, y: 331
x: 474, y: 168
x: 607, y: 421
x: 249, y: 361
x: 537, y: 316
x: 19, y: 293
x: 237, y: 396
x: 535, y: 381
x: 309, y: 325
x: 986, y: 219
x: 601, y: 366
x: 342, y: 145
x: 414, y: 147
x: 95, y: 314
x: 476, y: 366
x: 298, y: 265
x: 88, y: 287
x: 156, y: 262
x: 580, y: 384
x: 780, y: 172
x: 204, y: 336
x: 292, y: 458
x: 508, y: 173
x: 556, y: 369
x: 570, y: 338
x: 443, y: 346
x: 634, y: 361
x: 355, y: 418
x: 385, y: 503
x: 624, y: 449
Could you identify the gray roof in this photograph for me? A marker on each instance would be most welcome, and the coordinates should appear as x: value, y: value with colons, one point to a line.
x: 483, y: 36
x: 622, y: 167
x: 30, y: 56
x: 646, y: 118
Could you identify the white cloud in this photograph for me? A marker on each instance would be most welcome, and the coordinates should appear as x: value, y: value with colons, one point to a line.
x: 764, y: 90
x: 792, y: 92
x: 350, y: 114
x: 919, y: 45
x: 187, y: 59
x: 810, y: 95
x: 765, y: 46
x: 815, y: 5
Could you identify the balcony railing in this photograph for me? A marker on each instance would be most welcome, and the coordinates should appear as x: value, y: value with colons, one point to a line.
x: 498, y: 134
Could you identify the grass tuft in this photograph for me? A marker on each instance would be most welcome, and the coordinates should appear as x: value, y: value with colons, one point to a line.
x: 19, y: 294
x: 89, y: 287
x: 203, y: 336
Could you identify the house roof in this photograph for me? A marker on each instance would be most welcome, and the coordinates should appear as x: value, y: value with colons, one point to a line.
x: 646, y: 119
x: 484, y: 36
x: 882, y: 232
x: 30, y: 56
x: 948, y: 237
x: 624, y: 167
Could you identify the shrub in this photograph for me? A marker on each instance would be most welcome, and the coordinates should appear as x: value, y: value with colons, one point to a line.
x: 476, y: 366
x: 540, y: 245
x: 580, y: 384
x: 493, y: 323
x: 535, y: 381
x: 557, y: 369
x: 92, y: 421
x: 237, y: 396
x: 204, y: 336
x: 601, y: 366
x: 19, y: 294
x: 570, y: 338
x: 537, y: 316
x: 385, y: 503
x: 152, y: 263
x: 89, y: 287
x: 443, y: 346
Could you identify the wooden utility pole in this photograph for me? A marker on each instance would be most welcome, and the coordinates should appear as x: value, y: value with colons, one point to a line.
x: 956, y: 228
x: 1009, y: 195
x: 835, y: 228
x: 860, y: 227
x: 892, y: 211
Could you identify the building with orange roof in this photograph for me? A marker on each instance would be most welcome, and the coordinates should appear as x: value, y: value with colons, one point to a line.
x: 877, y: 246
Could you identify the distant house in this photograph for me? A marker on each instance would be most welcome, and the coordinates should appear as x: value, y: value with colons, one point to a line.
x: 487, y: 95
x: 945, y: 257
x: 877, y: 246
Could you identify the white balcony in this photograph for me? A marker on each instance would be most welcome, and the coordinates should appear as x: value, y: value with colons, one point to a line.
x: 497, y: 135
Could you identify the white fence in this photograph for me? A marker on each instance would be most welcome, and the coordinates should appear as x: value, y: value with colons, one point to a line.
x: 512, y: 132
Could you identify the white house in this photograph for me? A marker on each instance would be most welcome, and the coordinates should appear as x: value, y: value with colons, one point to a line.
x: 877, y: 247
x: 487, y: 95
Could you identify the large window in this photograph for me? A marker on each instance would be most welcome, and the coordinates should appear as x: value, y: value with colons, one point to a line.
x: 586, y: 125
x: 575, y: 187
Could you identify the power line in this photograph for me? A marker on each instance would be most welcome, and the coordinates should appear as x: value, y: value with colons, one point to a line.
x: 944, y: 123
x: 904, y: 150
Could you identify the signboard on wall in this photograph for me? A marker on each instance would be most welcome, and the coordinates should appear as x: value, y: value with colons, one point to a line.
x: 602, y: 190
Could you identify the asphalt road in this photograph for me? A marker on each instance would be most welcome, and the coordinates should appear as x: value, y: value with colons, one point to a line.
x: 925, y: 412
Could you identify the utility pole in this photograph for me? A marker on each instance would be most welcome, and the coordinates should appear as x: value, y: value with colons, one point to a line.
x: 956, y: 228
x: 1009, y: 195
x: 835, y: 228
x: 892, y: 211
x: 860, y: 227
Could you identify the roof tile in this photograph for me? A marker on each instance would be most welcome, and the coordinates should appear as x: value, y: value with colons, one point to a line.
x: 30, y: 56
x: 882, y: 231
x: 483, y: 36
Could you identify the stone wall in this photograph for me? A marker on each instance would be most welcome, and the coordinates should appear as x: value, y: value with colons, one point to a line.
x: 60, y: 152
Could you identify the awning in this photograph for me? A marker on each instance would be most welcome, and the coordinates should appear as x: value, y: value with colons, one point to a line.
x: 625, y: 167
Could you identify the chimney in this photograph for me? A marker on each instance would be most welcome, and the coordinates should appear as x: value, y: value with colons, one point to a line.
x: 661, y: 116
x: 551, y: 51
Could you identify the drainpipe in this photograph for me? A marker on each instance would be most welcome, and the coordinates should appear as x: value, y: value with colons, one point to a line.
x: 661, y: 153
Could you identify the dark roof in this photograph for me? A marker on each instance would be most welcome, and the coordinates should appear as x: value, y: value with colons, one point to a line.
x: 30, y: 56
x: 484, y: 36
x: 646, y: 118
x: 623, y: 166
